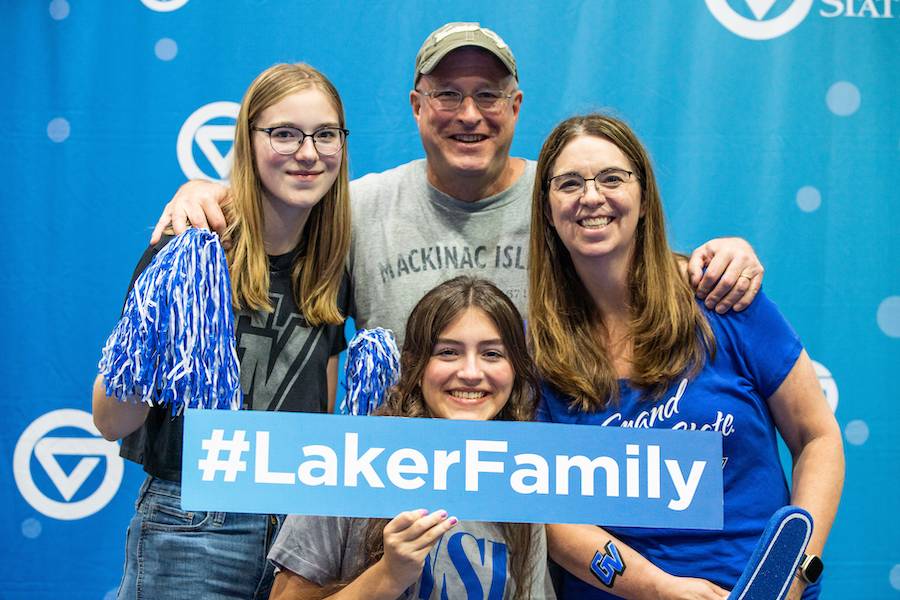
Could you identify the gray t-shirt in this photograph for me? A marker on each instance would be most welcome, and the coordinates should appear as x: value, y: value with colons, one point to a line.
x: 467, y: 562
x: 408, y: 237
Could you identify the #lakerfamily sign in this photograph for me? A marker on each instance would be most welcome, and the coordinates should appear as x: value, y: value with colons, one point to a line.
x: 298, y: 463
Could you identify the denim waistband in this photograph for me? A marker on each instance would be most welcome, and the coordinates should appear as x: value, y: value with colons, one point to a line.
x: 172, y: 489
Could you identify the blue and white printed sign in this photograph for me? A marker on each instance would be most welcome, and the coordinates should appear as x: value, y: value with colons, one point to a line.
x: 254, y: 461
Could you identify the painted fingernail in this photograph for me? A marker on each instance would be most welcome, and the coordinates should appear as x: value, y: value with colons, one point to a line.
x: 423, y: 511
x: 453, y: 520
x: 443, y: 514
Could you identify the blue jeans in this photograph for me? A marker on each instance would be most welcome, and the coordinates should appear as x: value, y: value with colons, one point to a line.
x: 171, y: 553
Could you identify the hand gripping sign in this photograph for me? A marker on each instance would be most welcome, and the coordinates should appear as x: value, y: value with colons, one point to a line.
x: 297, y: 463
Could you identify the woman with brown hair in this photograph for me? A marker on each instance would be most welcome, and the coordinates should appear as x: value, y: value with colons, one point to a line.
x: 620, y: 340
x: 289, y: 223
x: 464, y: 357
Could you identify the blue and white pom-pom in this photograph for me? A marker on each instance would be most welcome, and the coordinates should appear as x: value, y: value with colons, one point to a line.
x: 175, y: 345
x: 373, y: 366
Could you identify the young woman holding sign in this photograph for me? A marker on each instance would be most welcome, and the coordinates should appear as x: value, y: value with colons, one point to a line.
x: 289, y: 225
x: 464, y: 357
x: 620, y: 340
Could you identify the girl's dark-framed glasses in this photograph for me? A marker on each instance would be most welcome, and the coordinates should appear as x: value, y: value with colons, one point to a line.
x: 327, y: 141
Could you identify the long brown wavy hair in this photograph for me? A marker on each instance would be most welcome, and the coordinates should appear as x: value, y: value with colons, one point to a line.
x: 433, y: 313
x: 670, y: 336
x: 318, y: 269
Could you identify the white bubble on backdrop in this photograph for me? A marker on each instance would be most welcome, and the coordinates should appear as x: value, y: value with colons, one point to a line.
x: 58, y: 129
x: 888, y: 316
x: 166, y: 49
x: 31, y: 528
x: 808, y: 198
x: 856, y: 432
x: 59, y: 9
x: 843, y: 98
x: 895, y: 577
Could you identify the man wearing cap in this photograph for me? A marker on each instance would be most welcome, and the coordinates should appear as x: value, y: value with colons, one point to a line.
x: 465, y: 208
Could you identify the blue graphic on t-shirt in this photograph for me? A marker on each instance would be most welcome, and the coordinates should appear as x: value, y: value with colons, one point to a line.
x: 465, y: 570
x: 755, y: 351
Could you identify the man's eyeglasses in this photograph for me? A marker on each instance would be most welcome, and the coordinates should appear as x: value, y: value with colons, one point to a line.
x: 327, y: 141
x: 450, y: 100
x: 573, y: 185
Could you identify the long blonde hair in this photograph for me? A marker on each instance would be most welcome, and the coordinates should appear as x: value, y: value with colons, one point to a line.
x: 318, y: 269
x: 669, y: 334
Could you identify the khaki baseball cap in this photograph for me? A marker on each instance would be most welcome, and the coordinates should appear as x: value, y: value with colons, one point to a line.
x: 451, y: 36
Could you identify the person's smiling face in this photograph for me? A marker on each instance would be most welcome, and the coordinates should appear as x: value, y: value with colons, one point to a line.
x: 301, y: 179
x: 467, y: 142
x: 468, y: 375
x: 600, y: 222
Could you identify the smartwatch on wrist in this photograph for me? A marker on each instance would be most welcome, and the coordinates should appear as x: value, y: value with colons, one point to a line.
x: 810, y: 568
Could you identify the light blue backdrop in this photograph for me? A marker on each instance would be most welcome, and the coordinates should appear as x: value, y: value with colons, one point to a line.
x: 792, y: 142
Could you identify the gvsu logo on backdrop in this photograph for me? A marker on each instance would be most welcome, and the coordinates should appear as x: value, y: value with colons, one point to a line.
x: 164, y: 5
x: 47, y: 450
x: 209, y: 129
x: 763, y: 26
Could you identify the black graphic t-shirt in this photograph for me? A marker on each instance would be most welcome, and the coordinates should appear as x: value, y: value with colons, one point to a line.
x: 283, y: 367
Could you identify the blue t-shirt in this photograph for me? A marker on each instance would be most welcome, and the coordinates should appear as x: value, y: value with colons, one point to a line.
x: 755, y: 351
